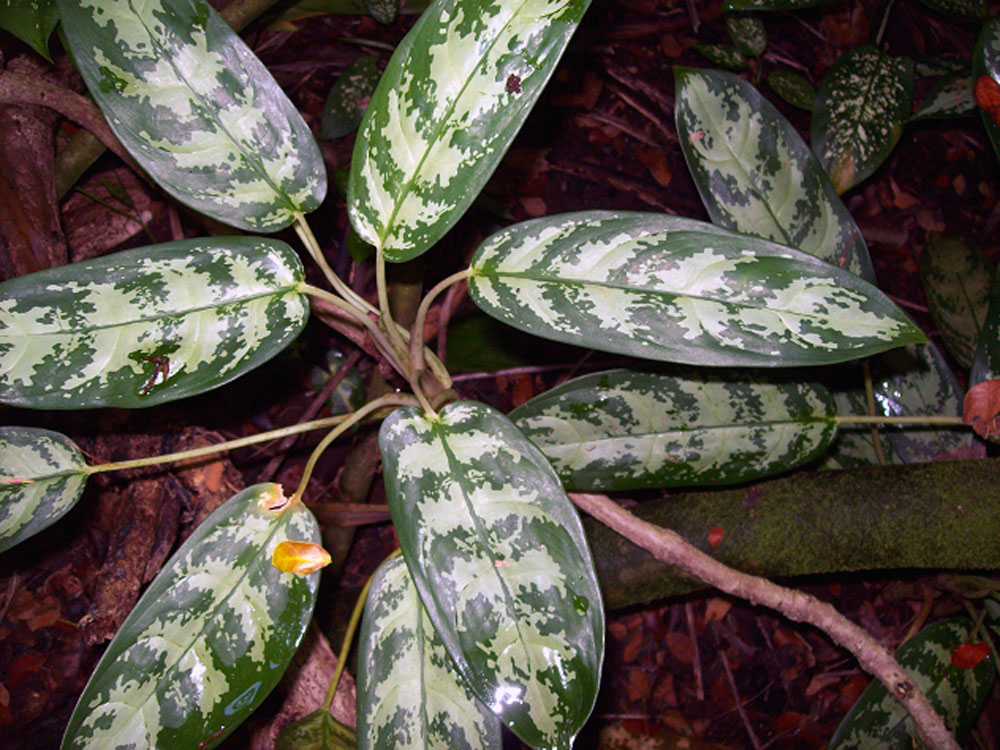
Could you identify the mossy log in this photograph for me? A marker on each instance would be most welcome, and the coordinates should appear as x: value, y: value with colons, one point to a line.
x: 937, y: 515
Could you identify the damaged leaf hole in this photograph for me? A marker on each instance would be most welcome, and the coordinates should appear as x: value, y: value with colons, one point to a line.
x: 513, y: 84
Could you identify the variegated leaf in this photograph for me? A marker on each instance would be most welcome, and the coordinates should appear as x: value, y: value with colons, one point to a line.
x: 209, y: 639
x: 197, y: 109
x: 455, y: 93
x: 316, y: 731
x: 500, y: 560
x: 42, y: 474
x: 986, y: 363
x: 862, y: 103
x: 149, y: 325
x: 756, y: 175
x: 793, y: 87
x: 986, y: 75
x: 722, y: 55
x: 627, y: 429
x: 878, y: 719
x: 949, y: 97
x: 973, y: 10
x: 348, y: 99
x: 383, y: 11
x: 956, y: 278
x: 666, y: 288
x: 31, y: 21
x: 409, y: 693
x: 747, y: 32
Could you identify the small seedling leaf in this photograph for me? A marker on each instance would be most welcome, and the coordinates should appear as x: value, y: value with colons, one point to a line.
x: 349, y: 97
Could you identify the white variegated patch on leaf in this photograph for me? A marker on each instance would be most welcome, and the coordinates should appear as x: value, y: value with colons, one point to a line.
x: 149, y: 325
x: 209, y: 639
x: 950, y: 97
x: 454, y: 94
x: 756, y: 175
x: 409, y: 693
x: 499, y: 557
x: 629, y: 429
x: 861, y: 105
x: 42, y: 474
x: 679, y: 290
x: 196, y: 108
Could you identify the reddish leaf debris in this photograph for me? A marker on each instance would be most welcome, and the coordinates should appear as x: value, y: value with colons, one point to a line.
x: 982, y: 409
x: 968, y: 655
x: 716, y: 535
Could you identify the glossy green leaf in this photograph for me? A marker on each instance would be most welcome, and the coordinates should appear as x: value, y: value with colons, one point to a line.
x: 409, y: 694
x: 679, y: 290
x: 968, y: 9
x: 956, y: 278
x: 149, y: 325
x: 349, y: 394
x: 197, y: 109
x: 31, y: 21
x: 949, y: 97
x: 209, y: 639
x: 627, y: 429
x: 456, y: 91
x: 498, y: 555
x: 756, y: 175
x: 316, y: 731
x: 878, y: 720
x: 793, y: 87
x: 383, y: 11
x: 747, y: 32
x: 862, y: 103
x: 722, y: 55
x: 42, y: 474
x: 733, y: 5
x: 986, y: 74
x: 348, y: 99
x: 986, y: 363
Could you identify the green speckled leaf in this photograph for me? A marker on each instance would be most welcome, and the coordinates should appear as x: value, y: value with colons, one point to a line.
x: 316, y: 731
x: 986, y: 363
x: 209, y: 639
x: 348, y: 99
x: 793, y: 87
x: 42, y: 474
x: 968, y: 9
x: 672, y: 289
x: 627, y: 429
x: 456, y: 91
x: 878, y: 720
x: 949, y: 97
x: 498, y: 555
x: 722, y: 55
x: 956, y: 278
x: 383, y: 11
x: 756, y: 175
x: 409, y: 693
x: 986, y: 62
x: 732, y: 5
x: 196, y: 109
x: 31, y: 21
x: 862, y: 103
x: 747, y: 32
x: 149, y: 325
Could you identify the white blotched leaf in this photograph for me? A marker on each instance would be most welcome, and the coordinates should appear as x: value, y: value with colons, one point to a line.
x: 456, y: 91
x: 950, y: 97
x: 629, y: 429
x: 756, y: 175
x: 42, y: 474
x: 196, y: 108
x: 499, y: 557
x: 145, y: 326
x: 209, y: 639
x: 679, y: 290
x: 409, y: 694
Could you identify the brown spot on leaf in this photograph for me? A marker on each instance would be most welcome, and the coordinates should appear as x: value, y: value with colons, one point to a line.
x: 513, y: 84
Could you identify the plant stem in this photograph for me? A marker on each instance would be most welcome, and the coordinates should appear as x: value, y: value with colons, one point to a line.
x: 417, y: 331
x: 208, y: 450
x: 885, y: 22
x: 352, y: 625
x: 870, y: 406
x: 389, y: 399
x: 388, y: 323
x: 671, y: 548
x: 304, y: 231
x: 917, y: 420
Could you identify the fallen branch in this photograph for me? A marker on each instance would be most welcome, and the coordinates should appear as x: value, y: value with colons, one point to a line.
x: 671, y: 548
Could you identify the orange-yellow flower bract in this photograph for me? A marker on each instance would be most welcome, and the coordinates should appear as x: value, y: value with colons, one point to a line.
x: 301, y: 558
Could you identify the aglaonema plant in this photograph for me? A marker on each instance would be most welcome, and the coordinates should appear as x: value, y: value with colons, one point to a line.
x: 496, y: 601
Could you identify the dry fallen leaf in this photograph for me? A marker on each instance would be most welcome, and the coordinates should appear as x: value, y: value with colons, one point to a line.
x: 982, y: 409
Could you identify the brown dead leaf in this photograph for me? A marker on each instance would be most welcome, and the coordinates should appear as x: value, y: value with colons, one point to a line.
x: 533, y: 206
x: 592, y: 86
x: 638, y: 685
x: 716, y: 609
x: 982, y: 409
x: 681, y: 646
x: 671, y: 46
x: 820, y: 682
x: 633, y: 647
x: 900, y: 198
